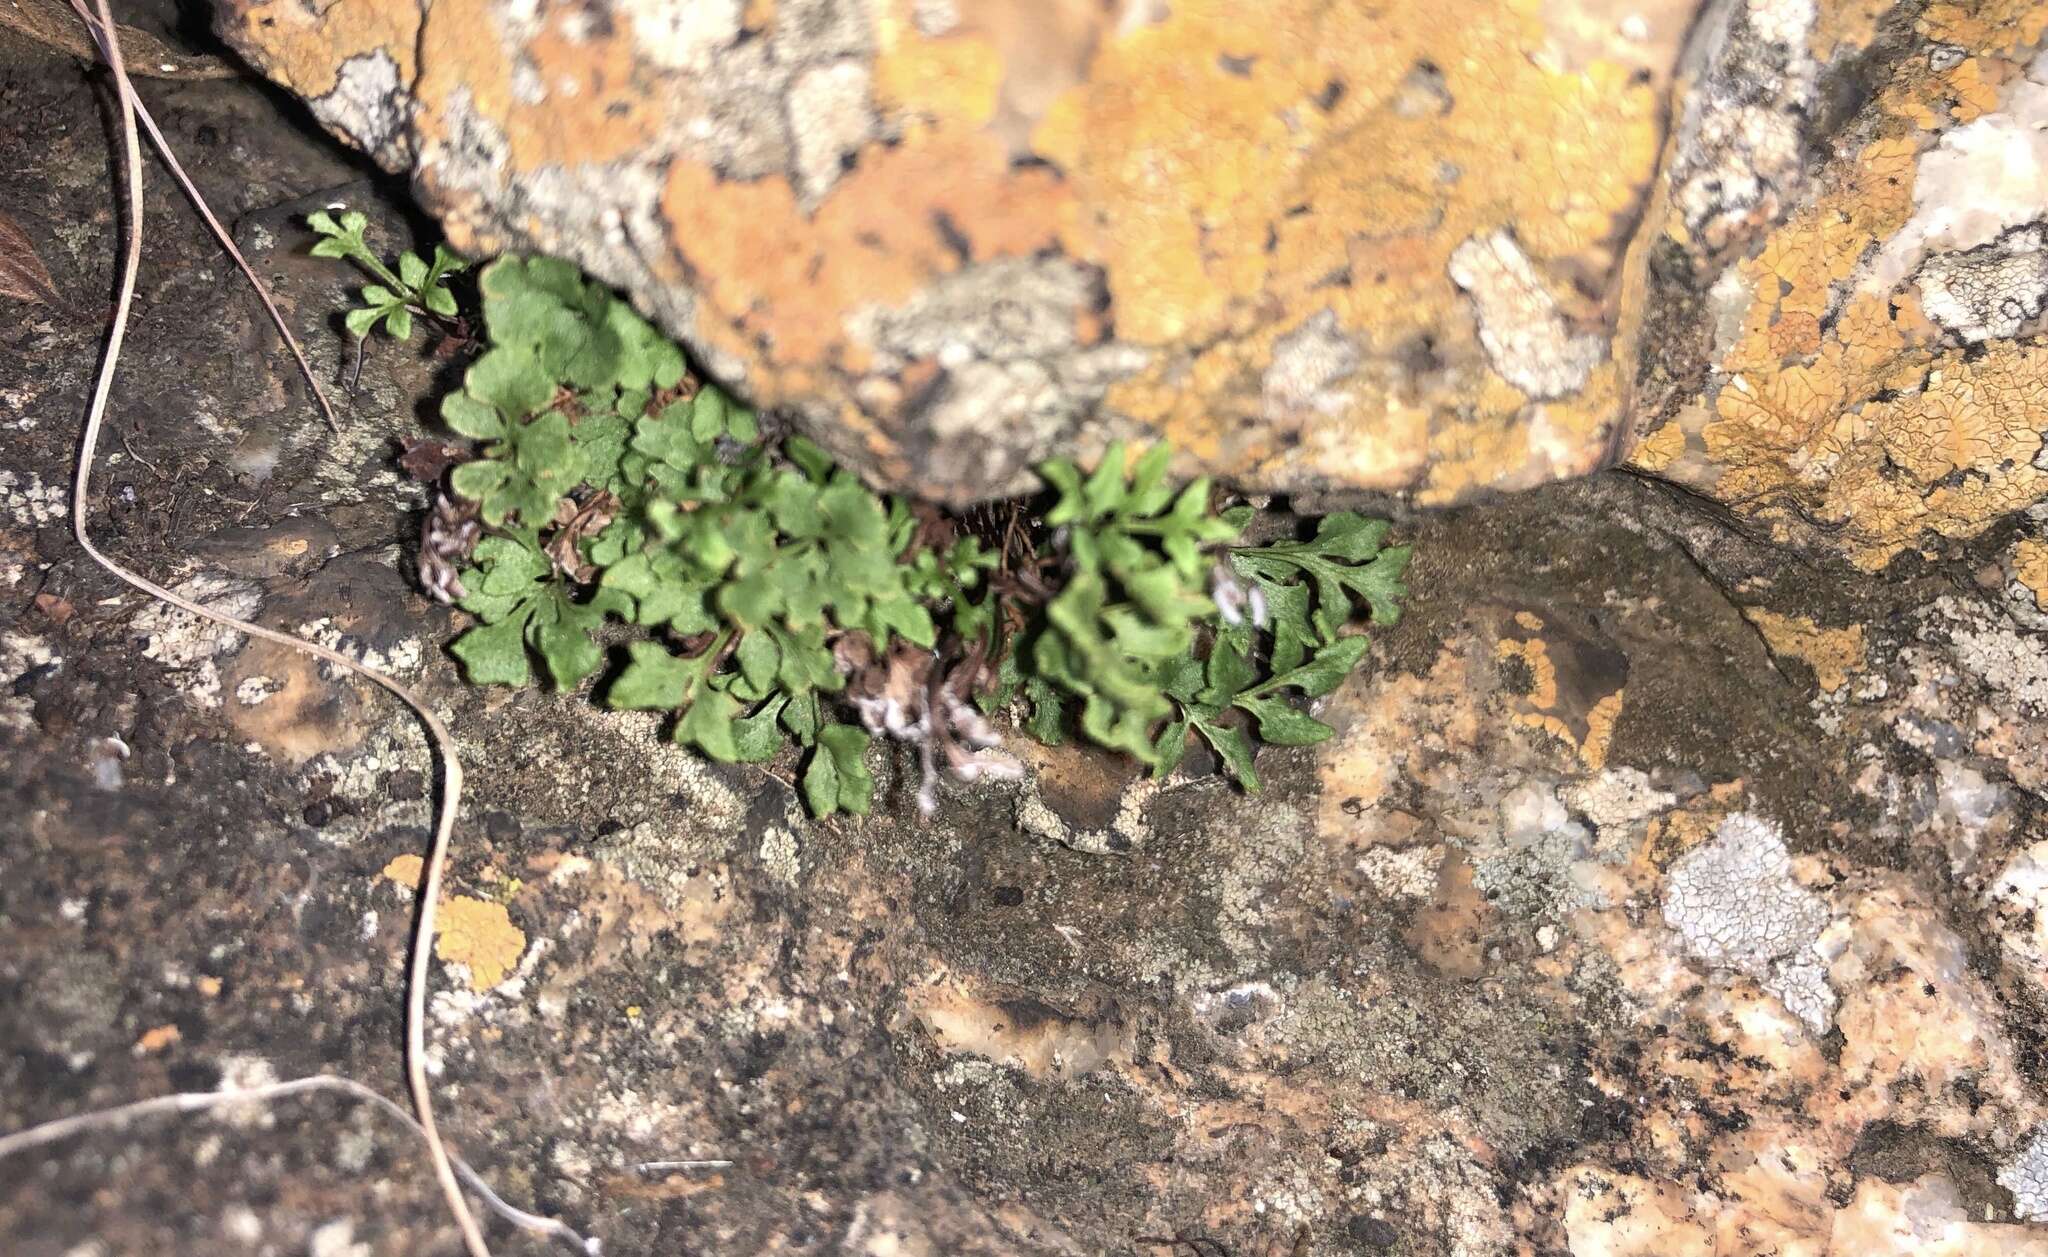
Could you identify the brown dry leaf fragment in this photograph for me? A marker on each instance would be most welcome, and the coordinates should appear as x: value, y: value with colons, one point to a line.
x: 575, y: 522
x: 53, y: 24
x: 55, y: 609
x: 22, y: 273
x: 427, y: 458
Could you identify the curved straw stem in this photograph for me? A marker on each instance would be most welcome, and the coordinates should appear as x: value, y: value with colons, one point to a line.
x: 198, y: 1101
x: 110, y: 51
x: 444, y: 747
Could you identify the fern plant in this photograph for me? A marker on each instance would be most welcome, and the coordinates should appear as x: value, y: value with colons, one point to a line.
x: 766, y: 597
x: 419, y: 286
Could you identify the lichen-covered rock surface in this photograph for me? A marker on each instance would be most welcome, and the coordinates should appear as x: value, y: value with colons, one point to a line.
x: 1321, y: 246
x: 1657, y: 895
x: 1791, y: 253
x: 1848, y: 272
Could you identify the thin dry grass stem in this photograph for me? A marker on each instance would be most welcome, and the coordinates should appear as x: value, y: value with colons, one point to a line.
x: 451, y: 767
x: 199, y: 1101
x: 109, y: 48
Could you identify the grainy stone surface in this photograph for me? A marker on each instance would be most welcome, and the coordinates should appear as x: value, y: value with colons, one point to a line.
x: 1471, y: 978
x: 1786, y: 252
x: 1341, y: 246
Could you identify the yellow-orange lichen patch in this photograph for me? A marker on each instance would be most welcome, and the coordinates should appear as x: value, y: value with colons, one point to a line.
x: 1231, y: 175
x: 157, y: 1038
x: 480, y: 935
x: 1839, y: 404
x: 1600, y: 724
x: 775, y: 276
x: 1968, y: 417
x: 1660, y: 449
x: 1832, y: 653
x: 1845, y: 26
x: 305, y: 45
x: 1335, y: 161
x: 1559, y: 684
x: 404, y: 870
x: 955, y: 79
x: 1675, y: 833
x: 1541, y: 689
x: 2030, y: 568
x: 2001, y: 26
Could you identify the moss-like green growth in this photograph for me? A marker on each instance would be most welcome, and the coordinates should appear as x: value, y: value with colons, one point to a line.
x: 770, y: 597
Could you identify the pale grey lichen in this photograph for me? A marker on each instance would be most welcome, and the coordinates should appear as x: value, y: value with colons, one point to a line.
x: 1617, y: 800
x: 1014, y: 375
x: 1541, y: 863
x: 1740, y: 146
x: 21, y: 658
x: 1308, y: 363
x: 189, y: 644
x: 2026, y: 1177
x: 1735, y: 905
x: 1527, y: 338
x: 829, y: 117
x: 688, y: 37
x: 370, y: 107
x: 2011, y: 662
x: 32, y: 503
x: 1982, y: 180
x: 1126, y: 833
x: 1002, y: 308
x: 1989, y: 292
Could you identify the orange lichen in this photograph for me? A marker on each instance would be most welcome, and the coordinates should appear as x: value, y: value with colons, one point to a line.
x: 771, y: 273
x: 1660, y: 449
x: 1845, y: 26
x: 404, y: 870
x: 2030, y: 568
x: 584, y: 99
x: 1839, y: 405
x: 1535, y: 653
x: 1968, y: 417
x: 1232, y: 176
x: 306, y: 45
x: 1964, y: 92
x: 157, y: 1038
x: 1560, y: 683
x: 2001, y: 26
x: 480, y: 935
x: 1600, y: 724
x: 1832, y: 653
x: 957, y: 79
x: 1222, y: 196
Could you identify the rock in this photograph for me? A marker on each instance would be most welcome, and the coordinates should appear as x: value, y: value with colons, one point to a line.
x: 1787, y: 253
x: 1339, y: 246
x: 1851, y: 287
x: 1924, y: 1218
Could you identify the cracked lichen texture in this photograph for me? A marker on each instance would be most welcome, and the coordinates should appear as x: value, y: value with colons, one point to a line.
x: 1735, y: 905
x: 1316, y: 246
x: 1876, y: 381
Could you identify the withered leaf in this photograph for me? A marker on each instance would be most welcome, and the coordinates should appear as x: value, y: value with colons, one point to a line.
x: 425, y: 459
x: 57, y: 610
x: 53, y: 24
x: 573, y: 523
x: 22, y: 273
